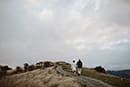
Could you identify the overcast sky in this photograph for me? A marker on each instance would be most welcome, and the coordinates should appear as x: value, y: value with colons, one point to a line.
x: 96, y: 31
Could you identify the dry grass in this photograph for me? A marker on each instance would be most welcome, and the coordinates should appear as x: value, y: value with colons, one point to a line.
x: 39, y: 78
x: 110, y: 79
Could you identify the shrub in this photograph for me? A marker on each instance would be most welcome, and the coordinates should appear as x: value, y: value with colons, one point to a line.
x: 26, y: 65
x: 48, y: 64
x: 39, y: 65
x: 31, y: 67
x: 19, y: 69
x: 100, y: 69
x: 3, y: 70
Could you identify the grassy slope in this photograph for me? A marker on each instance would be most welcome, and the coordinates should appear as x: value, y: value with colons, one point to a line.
x: 39, y: 78
x: 110, y: 79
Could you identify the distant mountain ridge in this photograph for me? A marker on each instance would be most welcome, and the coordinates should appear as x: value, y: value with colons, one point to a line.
x: 120, y: 73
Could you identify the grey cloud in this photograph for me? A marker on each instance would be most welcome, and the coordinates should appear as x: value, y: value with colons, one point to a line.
x: 34, y: 30
x: 117, y: 11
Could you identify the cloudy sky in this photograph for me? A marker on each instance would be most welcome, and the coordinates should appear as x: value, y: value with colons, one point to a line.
x: 96, y: 31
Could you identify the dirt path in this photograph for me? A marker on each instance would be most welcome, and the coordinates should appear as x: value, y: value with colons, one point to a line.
x: 91, y: 82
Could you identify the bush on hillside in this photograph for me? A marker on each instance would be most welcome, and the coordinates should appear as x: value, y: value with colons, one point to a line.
x: 48, y: 64
x: 3, y: 70
x: 100, y: 69
x: 31, y: 67
x: 19, y: 69
x: 39, y: 65
x: 26, y: 65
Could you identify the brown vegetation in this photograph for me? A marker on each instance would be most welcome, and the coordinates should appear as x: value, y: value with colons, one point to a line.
x: 48, y: 64
x: 39, y: 78
x: 43, y: 74
x: 3, y: 70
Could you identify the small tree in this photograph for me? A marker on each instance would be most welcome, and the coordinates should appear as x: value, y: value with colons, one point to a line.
x: 26, y: 65
x: 19, y: 69
x: 3, y: 70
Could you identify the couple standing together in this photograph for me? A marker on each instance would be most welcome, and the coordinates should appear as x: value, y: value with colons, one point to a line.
x: 77, y: 67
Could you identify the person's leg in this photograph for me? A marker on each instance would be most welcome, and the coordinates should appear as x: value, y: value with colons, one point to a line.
x: 74, y: 73
x: 79, y: 71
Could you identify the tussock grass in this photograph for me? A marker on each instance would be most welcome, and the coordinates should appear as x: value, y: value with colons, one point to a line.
x: 39, y: 78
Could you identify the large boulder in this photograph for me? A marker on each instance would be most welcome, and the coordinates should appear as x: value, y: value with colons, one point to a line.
x: 65, y: 66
